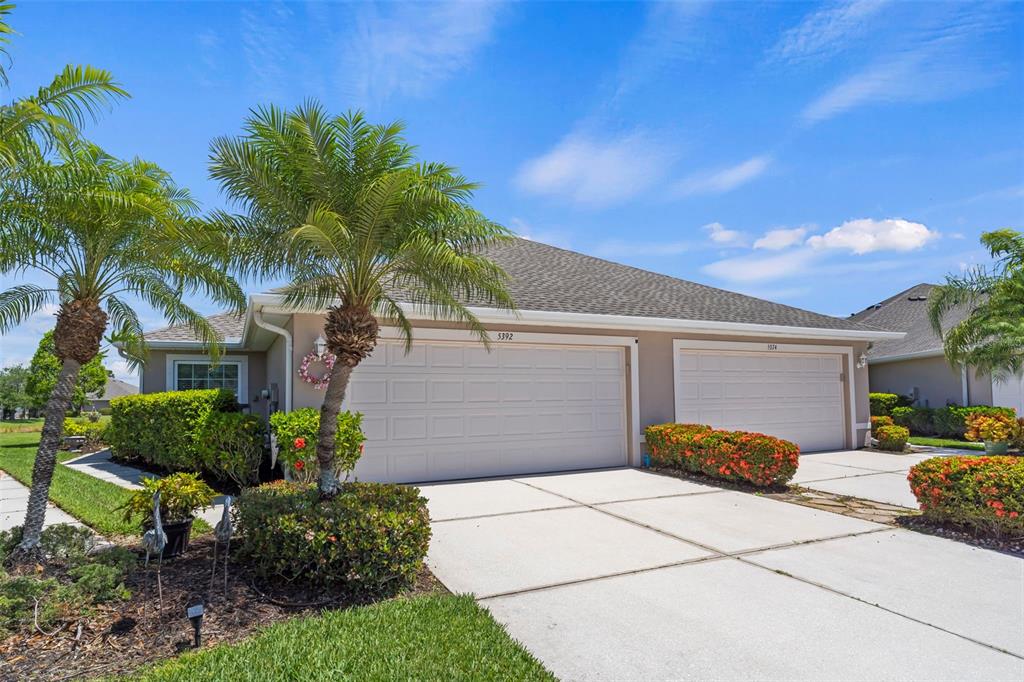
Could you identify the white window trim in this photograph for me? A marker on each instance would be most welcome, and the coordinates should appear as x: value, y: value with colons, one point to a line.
x: 633, y: 455
x: 767, y: 348
x: 241, y: 360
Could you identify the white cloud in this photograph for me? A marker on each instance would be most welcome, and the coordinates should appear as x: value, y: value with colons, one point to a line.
x: 782, y: 238
x: 827, y: 31
x: 723, y: 180
x: 596, y: 172
x: 407, y: 48
x: 267, y: 46
x: 722, y: 236
x: 760, y: 268
x: 544, y: 236
x: 866, y: 236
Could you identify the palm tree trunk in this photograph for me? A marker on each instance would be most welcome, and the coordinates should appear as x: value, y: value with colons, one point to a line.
x: 337, y: 384
x: 46, y: 456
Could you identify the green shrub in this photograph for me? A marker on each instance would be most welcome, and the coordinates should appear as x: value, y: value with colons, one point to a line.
x: 880, y: 421
x: 753, y: 458
x: 979, y: 492
x: 369, y: 540
x: 163, y: 429
x: 892, y: 437
x: 105, y: 411
x: 296, y: 436
x: 882, y: 404
x: 231, y: 447
x: 945, y: 422
x: 95, y: 433
x: 181, y: 496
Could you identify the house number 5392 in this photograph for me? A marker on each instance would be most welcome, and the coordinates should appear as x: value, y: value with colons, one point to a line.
x: 504, y: 336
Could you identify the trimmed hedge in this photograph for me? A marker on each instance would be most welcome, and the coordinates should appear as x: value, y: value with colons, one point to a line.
x: 164, y: 429
x: 95, y: 433
x: 892, y: 437
x: 945, y: 422
x: 880, y: 421
x: 753, y: 458
x: 369, y: 540
x: 882, y: 404
x: 982, y: 493
x: 297, y: 433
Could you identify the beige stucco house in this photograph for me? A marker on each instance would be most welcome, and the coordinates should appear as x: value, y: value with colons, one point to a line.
x: 916, y: 366
x: 596, y: 352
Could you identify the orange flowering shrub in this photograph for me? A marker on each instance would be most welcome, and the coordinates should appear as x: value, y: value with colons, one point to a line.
x: 892, y: 437
x: 995, y: 428
x: 730, y: 455
x: 880, y: 421
x: 984, y: 493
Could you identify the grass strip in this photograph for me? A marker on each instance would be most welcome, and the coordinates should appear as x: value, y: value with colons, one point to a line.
x: 946, y: 443
x: 88, y: 499
x: 437, y: 637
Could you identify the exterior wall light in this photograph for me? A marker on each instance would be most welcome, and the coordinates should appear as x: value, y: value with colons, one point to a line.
x: 862, y: 361
x: 320, y: 345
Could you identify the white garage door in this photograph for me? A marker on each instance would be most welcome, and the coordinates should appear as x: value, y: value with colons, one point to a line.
x: 451, y: 410
x: 793, y: 396
x: 1009, y: 393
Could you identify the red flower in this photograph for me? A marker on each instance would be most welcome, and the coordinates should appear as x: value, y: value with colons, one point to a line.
x: 300, y: 443
x: 299, y: 464
x: 362, y: 446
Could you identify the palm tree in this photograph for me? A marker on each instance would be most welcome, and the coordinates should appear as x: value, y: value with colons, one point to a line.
x: 990, y: 337
x: 339, y: 207
x: 101, y: 231
x: 29, y: 126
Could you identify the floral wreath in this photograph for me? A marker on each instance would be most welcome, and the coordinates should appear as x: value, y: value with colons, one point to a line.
x: 318, y: 382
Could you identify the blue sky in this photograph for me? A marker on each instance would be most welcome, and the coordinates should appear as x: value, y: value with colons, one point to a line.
x: 820, y: 155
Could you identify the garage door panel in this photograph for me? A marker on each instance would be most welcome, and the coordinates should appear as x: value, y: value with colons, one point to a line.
x: 453, y: 410
x: 789, y: 395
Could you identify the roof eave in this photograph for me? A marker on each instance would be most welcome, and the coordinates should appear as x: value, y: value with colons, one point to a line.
x: 275, y: 303
x: 918, y: 355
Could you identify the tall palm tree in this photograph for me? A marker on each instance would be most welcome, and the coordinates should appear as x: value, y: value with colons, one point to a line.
x: 340, y: 208
x: 103, y: 232
x: 29, y: 125
x: 990, y: 337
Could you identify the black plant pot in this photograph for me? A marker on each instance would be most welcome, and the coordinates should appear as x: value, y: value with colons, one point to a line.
x: 178, y: 535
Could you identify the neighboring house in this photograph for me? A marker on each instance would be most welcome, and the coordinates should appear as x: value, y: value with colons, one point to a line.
x: 916, y: 366
x: 596, y: 352
x: 115, y: 388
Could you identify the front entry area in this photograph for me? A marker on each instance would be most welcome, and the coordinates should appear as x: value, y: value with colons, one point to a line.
x: 782, y: 391
x: 453, y: 409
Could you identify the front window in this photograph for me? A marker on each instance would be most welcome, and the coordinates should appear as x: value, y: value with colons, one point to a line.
x: 201, y: 375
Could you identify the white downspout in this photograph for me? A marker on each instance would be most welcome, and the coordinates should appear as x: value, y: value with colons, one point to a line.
x: 257, y: 317
x: 963, y: 380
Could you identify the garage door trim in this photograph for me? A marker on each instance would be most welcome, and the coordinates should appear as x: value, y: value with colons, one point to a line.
x: 771, y: 347
x: 501, y: 337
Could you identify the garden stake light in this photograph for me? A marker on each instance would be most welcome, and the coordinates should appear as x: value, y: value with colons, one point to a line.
x: 195, y: 616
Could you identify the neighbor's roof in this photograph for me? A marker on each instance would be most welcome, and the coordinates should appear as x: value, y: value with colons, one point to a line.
x: 907, y: 312
x: 547, y: 278
x: 227, y: 325
x: 115, y: 388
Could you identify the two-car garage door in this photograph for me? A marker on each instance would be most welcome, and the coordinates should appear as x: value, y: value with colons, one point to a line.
x: 791, y: 395
x: 452, y: 410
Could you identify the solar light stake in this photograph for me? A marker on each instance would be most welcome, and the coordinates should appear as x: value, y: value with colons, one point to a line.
x: 195, y: 616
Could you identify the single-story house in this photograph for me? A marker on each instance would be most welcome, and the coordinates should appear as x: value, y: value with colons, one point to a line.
x: 115, y: 388
x: 916, y: 365
x: 596, y: 352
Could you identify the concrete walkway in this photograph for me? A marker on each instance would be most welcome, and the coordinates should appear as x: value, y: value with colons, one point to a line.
x: 100, y: 465
x: 627, y: 575
x: 14, y: 504
x: 861, y: 473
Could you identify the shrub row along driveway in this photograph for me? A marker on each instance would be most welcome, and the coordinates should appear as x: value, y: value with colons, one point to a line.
x: 623, y: 574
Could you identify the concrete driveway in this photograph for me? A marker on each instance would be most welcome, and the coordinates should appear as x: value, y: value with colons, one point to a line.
x: 627, y: 575
x: 861, y: 473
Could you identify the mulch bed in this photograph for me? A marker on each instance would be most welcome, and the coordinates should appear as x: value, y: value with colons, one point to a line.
x: 123, y: 637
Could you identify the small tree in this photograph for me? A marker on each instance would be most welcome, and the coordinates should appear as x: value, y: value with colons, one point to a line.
x: 13, y: 395
x: 45, y: 368
x: 990, y: 337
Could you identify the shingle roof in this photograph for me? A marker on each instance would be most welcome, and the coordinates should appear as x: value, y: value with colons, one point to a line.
x: 547, y: 278
x: 115, y: 388
x: 907, y: 312
x: 227, y: 326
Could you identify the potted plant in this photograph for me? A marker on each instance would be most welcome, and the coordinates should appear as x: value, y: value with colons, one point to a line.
x: 181, y: 496
x: 995, y: 430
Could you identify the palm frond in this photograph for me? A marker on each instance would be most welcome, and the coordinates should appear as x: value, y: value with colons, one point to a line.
x: 20, y: 302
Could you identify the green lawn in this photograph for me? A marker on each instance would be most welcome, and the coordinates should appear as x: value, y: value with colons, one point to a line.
x: 946, y: 443
x: 88, y: 499
x: 20, y: 425
x: 440, y: 637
